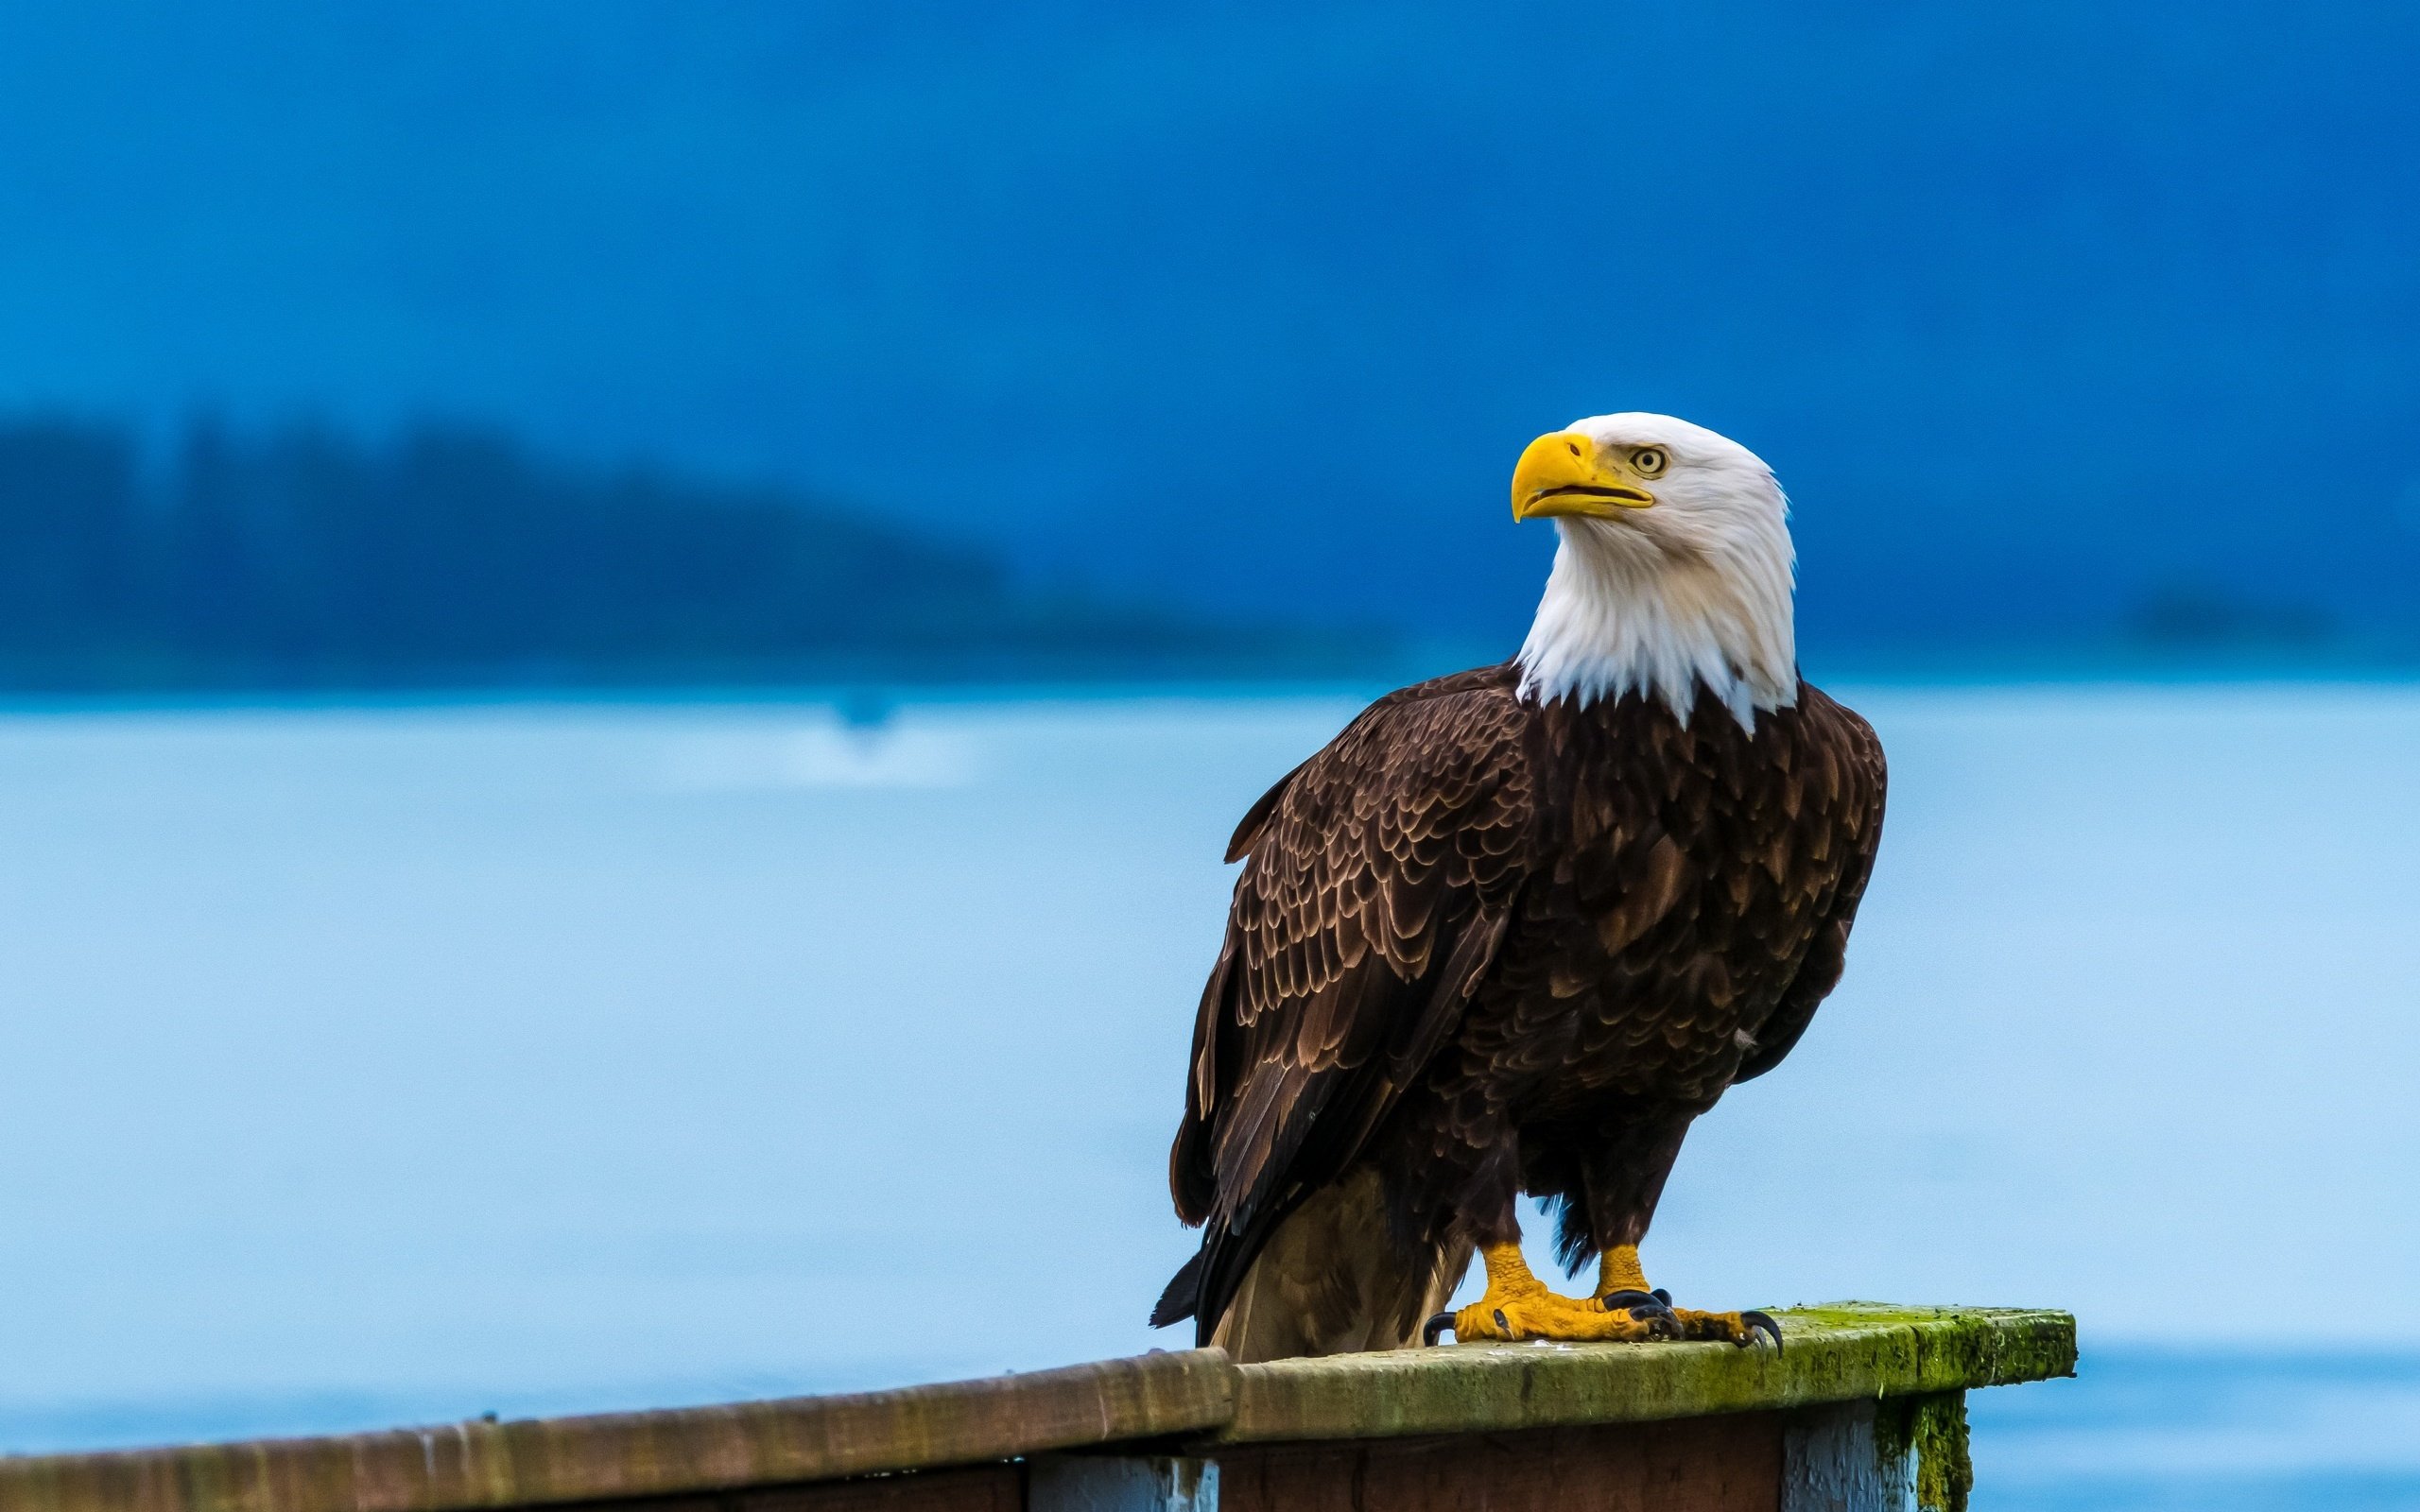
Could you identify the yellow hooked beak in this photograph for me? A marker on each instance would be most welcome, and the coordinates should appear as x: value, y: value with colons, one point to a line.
x: 1562, y: 474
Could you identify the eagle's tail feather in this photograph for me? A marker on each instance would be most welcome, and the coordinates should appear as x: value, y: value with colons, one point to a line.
x: 1330, y: 1282
x: 1184, y: 1294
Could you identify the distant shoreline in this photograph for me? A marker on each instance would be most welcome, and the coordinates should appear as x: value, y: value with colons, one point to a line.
x: 867, y: 690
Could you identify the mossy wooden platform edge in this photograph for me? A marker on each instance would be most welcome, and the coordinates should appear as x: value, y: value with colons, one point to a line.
x: 1841, y: 1352
x: 623, y: 1456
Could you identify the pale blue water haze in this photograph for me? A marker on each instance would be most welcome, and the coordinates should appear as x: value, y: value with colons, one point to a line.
x: 366, y: 1063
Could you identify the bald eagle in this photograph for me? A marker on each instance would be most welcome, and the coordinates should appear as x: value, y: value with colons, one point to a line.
x: 1514, y: 928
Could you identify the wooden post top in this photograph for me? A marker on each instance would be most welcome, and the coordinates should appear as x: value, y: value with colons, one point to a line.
x: 1841, y: 1352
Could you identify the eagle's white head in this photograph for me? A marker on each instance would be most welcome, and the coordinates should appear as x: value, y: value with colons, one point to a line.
x: 1674, y: 569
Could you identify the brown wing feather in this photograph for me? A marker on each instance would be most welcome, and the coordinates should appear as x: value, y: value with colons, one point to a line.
x: 1376, y: 882
x: 1844, y: 801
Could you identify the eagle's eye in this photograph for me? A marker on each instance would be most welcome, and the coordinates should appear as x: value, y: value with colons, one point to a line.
x: 1650, y: 461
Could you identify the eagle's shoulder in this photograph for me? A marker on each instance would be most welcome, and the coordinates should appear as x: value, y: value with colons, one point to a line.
x: 1823, y: 714
x: 1847, y: 754
x: 1465, y: 723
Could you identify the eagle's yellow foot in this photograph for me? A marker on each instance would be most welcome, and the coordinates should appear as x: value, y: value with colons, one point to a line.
x: 1517, y: 1306
x: 1552, y: 1317
x: 1622, y: 1287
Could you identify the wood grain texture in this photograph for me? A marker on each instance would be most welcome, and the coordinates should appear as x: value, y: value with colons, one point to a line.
x: 1092, y: 1482
x: 1702, y: 1464
x: 752, y: 1457
x: 973, y: 1488
x: 1842, y: 1352
x: 980, y: 1489
x: 644, y: 1455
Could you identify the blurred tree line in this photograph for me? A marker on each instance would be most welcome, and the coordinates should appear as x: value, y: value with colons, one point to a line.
x: 302, y: 557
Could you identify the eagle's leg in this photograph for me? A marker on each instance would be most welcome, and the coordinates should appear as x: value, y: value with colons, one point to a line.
x: 1621, y: 1283
x: 1624, y: 1185
x: 1622, y: 1287
x: 1517, y: 1305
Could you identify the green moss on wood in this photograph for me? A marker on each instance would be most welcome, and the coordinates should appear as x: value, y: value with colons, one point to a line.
x: 1959, y: 1348
x: 1927, y: 1434
x: 1839, y: 1352
x: 1944, y: 1473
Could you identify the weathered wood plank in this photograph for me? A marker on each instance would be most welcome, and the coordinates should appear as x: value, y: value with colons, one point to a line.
x: 1898, y: 1454
x: 969, y: 1488
x: 1690, y: 1465
x: 1836, y: 1353
x: 642, y: 1454
x: 1121, y: 1483
x: 1842, y: 1353
x: 984, y: 1488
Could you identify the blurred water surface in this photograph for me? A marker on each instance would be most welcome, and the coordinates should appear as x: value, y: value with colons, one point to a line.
x: 365, y: 1064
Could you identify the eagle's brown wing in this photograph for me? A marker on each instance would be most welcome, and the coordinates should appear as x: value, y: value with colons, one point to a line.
x: 1377, y: 878
x: 1843, y: 797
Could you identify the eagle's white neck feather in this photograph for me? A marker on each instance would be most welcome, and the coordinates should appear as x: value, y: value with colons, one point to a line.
x: 1610, y: 624
x: 1693, y: 593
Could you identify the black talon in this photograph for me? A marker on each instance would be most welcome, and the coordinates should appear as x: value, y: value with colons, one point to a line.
x: 1500, y: 1323
x: 1760, y: 1323
x: 1650, y: 1308
x: 1662, y: 1296
x: 1434, y: 1326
